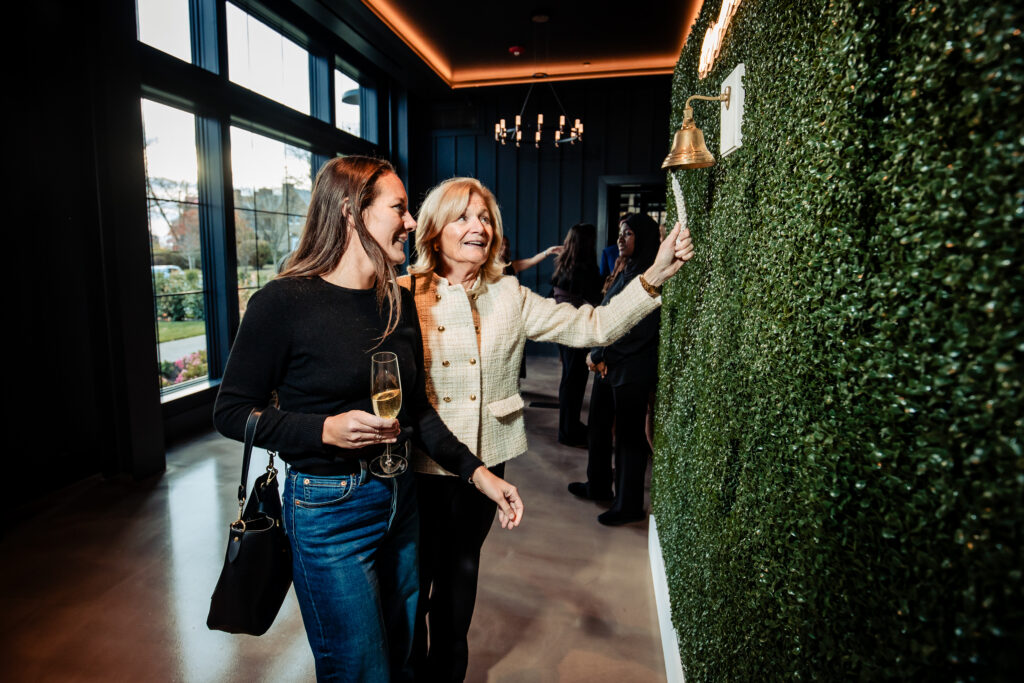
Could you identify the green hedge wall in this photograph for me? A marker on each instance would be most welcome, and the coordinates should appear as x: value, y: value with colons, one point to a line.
x: 838, y: 476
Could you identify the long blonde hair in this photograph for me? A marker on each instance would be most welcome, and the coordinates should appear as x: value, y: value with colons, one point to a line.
x: 354, y: 181
x: 444, y: 204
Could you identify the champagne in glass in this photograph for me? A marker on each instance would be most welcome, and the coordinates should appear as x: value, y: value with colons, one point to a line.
x: 387, y: 403
x: 386, y: 397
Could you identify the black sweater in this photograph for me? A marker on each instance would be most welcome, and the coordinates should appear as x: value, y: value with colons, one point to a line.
x: 312, y: 341
x: 634, y: 357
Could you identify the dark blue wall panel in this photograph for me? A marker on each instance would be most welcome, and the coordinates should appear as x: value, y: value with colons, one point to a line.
x: 444, y: 158
x: 465, y: 155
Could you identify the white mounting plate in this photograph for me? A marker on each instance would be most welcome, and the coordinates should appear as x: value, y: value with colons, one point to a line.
x: 732, y: 116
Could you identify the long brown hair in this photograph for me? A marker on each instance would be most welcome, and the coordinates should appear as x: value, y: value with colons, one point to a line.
x: 444, y: 204
x: 345, y: 181
x: 578, y: 251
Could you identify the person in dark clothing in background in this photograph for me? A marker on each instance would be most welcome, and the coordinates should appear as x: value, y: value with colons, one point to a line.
x: 576, y: 280
x: 627, y: 373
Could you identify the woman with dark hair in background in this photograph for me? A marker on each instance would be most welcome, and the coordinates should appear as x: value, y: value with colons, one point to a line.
x: 627, y: 373
x: 577, y: 281
x: 308, y: 335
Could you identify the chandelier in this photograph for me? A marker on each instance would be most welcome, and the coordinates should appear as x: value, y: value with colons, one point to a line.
x: 504, y: 134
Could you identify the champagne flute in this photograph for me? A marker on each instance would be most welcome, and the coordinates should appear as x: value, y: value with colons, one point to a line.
x: 386, y: 397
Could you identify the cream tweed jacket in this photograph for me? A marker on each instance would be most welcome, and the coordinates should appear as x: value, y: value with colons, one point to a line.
x: 476, y: 389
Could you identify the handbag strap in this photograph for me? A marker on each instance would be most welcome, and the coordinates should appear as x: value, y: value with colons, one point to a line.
x: 250, y: 436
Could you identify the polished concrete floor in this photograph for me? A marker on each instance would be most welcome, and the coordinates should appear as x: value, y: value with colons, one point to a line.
x: 111, y: 581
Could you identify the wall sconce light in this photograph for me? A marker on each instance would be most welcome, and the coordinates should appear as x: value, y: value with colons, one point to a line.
x: 714, y: 37
x: 688, y: 147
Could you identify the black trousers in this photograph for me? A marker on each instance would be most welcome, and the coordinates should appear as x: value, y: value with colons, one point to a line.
x: 571, y: 389
x: 454, y: 521
x: 620, y: 410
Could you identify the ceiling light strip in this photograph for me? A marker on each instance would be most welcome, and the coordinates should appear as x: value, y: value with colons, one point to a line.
x: 485, y: 82
x: 408, y: 34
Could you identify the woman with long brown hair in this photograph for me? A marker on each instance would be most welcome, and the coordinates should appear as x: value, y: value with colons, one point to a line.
x: 307, y: 337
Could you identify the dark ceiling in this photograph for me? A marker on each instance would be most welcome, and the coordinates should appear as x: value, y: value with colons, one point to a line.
x: 467, y: 44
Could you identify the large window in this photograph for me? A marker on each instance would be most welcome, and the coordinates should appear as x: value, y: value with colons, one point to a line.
x: 198, y: 196
x: 164, y: 24
x: 263, y: 60
x: 273, y: 181
x: 176, y: 257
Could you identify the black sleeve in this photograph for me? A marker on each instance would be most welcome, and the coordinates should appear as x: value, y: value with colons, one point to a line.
x: 597, y: 353
x: 635, y: 341
x: 432, y: 435
x: 256, y: 366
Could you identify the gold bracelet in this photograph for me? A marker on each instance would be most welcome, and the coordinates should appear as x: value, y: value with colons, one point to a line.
x: 648, y: 287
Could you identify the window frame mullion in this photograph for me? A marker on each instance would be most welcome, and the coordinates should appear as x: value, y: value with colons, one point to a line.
x: 321, y: 89
x: 205, y: 19
x: 217, y: 236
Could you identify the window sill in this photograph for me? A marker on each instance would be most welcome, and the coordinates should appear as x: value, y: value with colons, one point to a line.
x: 189, y: 410
x: 189, y: 389
x: 198, y: 396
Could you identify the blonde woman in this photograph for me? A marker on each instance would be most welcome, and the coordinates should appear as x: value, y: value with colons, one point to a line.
x: 475, y: 323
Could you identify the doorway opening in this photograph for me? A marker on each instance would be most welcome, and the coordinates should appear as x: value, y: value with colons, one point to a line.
x: 619, y: 196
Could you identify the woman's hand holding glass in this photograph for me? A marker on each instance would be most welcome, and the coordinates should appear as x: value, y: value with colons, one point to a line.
x: 675, y: 250
x: 510, y: 505
x: 358, y: 428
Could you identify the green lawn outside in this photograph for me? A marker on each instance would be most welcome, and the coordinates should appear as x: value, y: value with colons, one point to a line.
x: 171, y: 330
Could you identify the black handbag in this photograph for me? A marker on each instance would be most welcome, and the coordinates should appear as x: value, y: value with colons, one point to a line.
x: 258, y: 564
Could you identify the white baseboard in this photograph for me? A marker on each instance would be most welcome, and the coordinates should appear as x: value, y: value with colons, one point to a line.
x: 669, y: 642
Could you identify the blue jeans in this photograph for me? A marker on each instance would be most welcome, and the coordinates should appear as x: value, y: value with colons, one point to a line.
x: 354, y: 545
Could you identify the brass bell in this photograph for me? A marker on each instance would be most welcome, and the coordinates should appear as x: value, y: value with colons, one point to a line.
x: 688, y: 148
